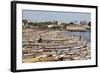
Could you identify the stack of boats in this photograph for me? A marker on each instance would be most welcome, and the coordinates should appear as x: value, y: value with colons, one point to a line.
x: 46, y: 46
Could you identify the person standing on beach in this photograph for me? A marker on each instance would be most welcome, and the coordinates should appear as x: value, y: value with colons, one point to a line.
x: 40, y: 40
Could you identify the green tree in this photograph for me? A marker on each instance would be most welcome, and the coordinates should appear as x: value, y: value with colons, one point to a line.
x: 25, y: 21
x: 89, y: 24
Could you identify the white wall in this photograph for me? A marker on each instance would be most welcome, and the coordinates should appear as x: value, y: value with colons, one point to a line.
x: 5, y: 36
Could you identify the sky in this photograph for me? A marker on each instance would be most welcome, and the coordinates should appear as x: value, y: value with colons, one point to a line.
x: 66, y: 17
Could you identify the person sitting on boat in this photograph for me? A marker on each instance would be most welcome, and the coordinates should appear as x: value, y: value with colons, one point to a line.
x: 40, y: 40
